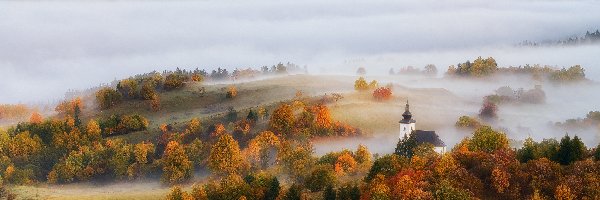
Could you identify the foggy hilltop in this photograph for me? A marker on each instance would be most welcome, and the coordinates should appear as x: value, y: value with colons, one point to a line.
x: 49, y: 47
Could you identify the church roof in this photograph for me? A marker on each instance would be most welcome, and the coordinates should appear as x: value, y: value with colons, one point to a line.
x: 431, y: 137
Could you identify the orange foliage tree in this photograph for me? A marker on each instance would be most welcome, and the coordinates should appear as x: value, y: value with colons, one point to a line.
x: 36, y: 118
x: 282, y: 120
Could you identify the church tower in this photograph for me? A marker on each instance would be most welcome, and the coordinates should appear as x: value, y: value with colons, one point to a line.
x: 407, y: 124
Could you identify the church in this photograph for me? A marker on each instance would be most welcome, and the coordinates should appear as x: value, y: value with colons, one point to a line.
x: 407, y: 127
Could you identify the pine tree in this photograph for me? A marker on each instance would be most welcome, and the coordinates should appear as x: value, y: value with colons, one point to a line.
x: 329, y: 193
x: 405, y: 146
x: 273, y: 190
x: 564, y: 154
x: 578, y: 149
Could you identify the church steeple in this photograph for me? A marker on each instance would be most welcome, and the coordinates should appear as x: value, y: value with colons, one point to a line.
x: 407, y: 116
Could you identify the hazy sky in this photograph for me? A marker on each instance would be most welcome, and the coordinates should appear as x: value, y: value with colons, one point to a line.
x: 49, y: 47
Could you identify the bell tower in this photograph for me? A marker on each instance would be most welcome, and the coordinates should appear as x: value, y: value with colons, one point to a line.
x: 407, y: 124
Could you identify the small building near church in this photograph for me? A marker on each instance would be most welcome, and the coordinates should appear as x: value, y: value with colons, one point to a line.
x: 408, y: 127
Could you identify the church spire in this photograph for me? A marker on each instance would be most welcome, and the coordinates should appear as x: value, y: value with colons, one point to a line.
x: 407, y: 116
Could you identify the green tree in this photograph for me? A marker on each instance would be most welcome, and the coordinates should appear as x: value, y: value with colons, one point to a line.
x: 487, y: 140
x: 445, y: 191
x: 320, y: 178
x: 406, y: 146
x: 529, y: 151
x: 273, y: 190
x: 597, y: 153
x: 293, y: 193
x: 329, y: 193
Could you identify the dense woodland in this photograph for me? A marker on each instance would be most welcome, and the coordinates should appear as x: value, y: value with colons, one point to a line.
x: 261, y: 154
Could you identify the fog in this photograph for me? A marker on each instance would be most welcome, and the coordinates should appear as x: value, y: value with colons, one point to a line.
x: 49, y: 47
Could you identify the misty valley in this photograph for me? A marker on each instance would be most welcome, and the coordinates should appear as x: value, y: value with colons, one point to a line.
x: 226, y: 100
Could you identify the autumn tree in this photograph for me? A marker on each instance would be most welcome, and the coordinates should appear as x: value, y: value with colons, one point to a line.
x: 231, y: 92
x: 361, y: 84
x: 24, y: 147
x: 345, y: 164
x: 197, y: 151
x: 36, y: 118
x: 487, y: 140
x: 178, y: 194
x: 155, y: 102
x: 467, y: 122
x: 93, y: 131
x: 263, y: 148
x: 108, y: 97
x: 174, y: 81
x: 373, y: 84
x: 176, y: 165
x: 282, y: 120
x: 194, y: 126
x: 382, y: 93
x: 296, y: 159
x: 488, y: 110
x: 225, y: 156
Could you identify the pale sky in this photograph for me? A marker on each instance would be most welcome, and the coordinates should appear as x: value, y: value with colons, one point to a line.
x: 49, y: 47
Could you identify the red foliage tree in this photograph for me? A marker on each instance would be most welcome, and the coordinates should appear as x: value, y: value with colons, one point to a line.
x: 382, y: 93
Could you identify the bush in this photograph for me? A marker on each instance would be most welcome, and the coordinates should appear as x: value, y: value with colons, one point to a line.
x: 123, y: 124
x: 231, y: 92
x: 467, y: 122
x: 382, y: 93
x: 488, y: 110
x: 173, y: 81
x: 108, y: 97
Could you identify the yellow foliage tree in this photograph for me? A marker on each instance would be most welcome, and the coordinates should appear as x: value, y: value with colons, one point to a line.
x: 262, y: 147
x: 345, y: 164
x: 176, y: 165
x: 225, y: 156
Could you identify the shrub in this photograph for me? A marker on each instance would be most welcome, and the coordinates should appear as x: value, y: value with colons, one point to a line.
x: 231, y: 92
x: 382, y: 93
x: 467, y: 122
x: 123, y: 124
x: 173, y: 81
x: 108, y: 97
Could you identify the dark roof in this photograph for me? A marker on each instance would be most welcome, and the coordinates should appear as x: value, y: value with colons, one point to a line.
x: 407, y: 121
x: 428, y: 137
x: 407, y: 116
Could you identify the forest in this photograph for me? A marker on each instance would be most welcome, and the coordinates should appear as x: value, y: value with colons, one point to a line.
x: 267, y: 152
